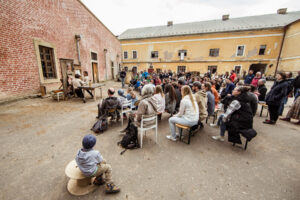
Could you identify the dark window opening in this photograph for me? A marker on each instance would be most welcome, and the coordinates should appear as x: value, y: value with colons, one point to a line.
x: 125, y: 54
x: 181, y: 69
x: 94, y: 56
x: 214, y: 52
x: 134, y: 54
x: 262, y: 49
x: 212, y: 68
x: 240, y: 51
x: 47, y: 62
x: 237, y: 69
x: 154, y: 54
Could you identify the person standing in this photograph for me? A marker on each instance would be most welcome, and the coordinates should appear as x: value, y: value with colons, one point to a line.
x: 289, y: 91
x: 232, y: 76
x: 262, y: 89
x: 275, y: 97
x: 210, y: 99
x: 123, y: 76
x: 249, y: 77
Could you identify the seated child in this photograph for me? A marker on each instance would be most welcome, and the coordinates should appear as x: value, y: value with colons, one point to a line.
x: 91, y: 163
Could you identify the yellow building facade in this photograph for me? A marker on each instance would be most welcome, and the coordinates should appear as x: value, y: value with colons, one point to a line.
x: 260, y: 49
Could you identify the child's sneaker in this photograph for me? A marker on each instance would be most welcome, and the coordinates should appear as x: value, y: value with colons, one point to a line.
x: 111, y: 188
x: 218, y: 137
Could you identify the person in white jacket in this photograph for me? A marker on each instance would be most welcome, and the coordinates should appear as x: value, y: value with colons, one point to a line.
x: 188, y: 114
x: 160, y: 100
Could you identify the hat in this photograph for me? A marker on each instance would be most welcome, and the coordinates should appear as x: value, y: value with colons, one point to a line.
x: 89, y: 141
x: 121, y: 92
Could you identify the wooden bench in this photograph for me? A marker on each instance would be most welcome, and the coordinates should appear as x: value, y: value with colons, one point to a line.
x: 78, y: 184
x: 190, y: 130
x: 263, y: 106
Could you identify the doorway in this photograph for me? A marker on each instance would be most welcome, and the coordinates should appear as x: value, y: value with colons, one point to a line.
x: 258, y: 68
x: 95, y: 72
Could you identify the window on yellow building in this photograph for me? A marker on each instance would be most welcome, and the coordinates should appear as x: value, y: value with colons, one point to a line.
x: 154, y: 54
x: 240, y: 50
x: 125, y: 54
x: 237, y: 69
x: 182, y: 54
x: 181, y: 69
x: 262, y: 49
x: 212, y: 68
x: 134, y: 54
x: 214, y: 52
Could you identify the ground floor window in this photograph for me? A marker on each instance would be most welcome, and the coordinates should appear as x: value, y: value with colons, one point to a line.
x: 158, y: 70
x: 181, y: 69
x: 237, y: 69
x: 47, y: 61
x: 212, y: 68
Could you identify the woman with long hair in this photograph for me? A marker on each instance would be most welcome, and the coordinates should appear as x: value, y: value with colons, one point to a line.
x: 160, y: 100
x: 188, y: 114
x: 170, y: 99
x: 131, y: 96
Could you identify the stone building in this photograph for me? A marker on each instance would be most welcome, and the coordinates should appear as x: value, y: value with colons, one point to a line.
x: 265, y: 43
x: 37, y: 38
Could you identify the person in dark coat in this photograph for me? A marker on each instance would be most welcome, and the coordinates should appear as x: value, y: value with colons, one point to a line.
x: 296, y: 85
x: 262, y: 89
x: 238, y: 115
x: 229, y: 88
x: 275, y: 97
x: 249, y: 77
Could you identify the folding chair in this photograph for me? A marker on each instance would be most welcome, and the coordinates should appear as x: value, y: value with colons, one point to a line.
x: 142, y: 128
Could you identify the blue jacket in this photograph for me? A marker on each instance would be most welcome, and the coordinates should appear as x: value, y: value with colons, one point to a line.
x: 249, y: 78
x: 229, y: 88
x: 277, y: 93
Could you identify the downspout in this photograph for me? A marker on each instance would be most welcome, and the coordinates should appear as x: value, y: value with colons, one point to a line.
x: 78, y: 38
x: 280, y: 51
x: 105, y: 51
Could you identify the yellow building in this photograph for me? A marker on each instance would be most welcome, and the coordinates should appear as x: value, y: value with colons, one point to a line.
x: 265, y: 43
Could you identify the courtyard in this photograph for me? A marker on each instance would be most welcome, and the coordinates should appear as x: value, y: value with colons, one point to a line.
x: 39, y: 137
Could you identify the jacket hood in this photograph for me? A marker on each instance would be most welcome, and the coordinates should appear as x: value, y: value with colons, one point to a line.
x: 152, y: 101
x: 82, y: 156
x: 202, y: 93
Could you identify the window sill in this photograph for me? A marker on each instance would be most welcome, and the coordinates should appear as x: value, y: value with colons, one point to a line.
x: 46, y: 81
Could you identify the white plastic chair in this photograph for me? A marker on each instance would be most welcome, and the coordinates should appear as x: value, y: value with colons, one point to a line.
x: 142, y: 128
x: 125, y: 108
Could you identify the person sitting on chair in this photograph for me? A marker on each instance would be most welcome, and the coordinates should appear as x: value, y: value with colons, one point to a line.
x: 201, y: 99
x: 92, y: 164
x: 86, y: 81
x: 76, y: 83
x: 160, y: 100
x: 111, y: 102
x: 188, y: 114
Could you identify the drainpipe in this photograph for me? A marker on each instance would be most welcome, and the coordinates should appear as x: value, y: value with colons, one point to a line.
x: 105, y: 51
x: 279, y: 56
x: 78, y: 38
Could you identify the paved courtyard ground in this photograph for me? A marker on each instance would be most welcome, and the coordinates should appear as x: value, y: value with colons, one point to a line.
x: 40, y: 136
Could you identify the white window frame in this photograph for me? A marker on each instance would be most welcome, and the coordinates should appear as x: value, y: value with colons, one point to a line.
x: 124, y: 54
x: 239, y: 66
x: 238, y: 48
x: 136, y: 54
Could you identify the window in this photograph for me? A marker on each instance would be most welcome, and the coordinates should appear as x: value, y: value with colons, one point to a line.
x: 262, y: 49
x: 158, y: 70
x: 126, y: 69
x: 94, y: 56
x: 47, y: 61
x: 134, y: 54
x: 212, y: 68
x: 154, y: 54
x: 182, y: 54
x: 214, y: 52
x: 125, y: 55
x: 240, y: 50
x: 237, y: 69
x: 181, y: 69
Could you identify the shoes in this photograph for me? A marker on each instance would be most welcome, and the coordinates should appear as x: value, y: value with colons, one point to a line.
x: 83, y: 100
x: 269, y: 122
x: 111, y: 188
x: 218, y: 137
x: 171, y: 138
x: 285, y: 119
x: 99, y: 181
x: 213, y: 125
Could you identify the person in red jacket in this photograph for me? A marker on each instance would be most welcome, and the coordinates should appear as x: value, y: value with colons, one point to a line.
x: 232, y: 76
x: 256, y: 79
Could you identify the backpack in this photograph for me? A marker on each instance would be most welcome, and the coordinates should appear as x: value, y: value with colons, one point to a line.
x: 100, y: 126
x: 130, y: 139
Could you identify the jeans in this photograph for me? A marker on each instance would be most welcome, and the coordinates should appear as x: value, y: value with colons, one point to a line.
x: 222, y: 125
x: 123, y: 82
x: 179, y: 120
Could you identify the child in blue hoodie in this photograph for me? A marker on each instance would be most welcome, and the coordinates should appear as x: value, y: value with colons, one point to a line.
x: 91, y: 163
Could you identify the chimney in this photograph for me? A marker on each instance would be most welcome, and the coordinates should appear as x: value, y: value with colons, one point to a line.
x: 225, y: 17
x: 170, y: 23
x: 281, y: 11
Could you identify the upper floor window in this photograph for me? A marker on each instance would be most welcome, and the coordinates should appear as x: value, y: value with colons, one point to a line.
x: 125, y: 55
x: 134, y: 54
x: 214, y: 52
x: 94, y: 56
x: 262, y: 49
x: 154, y: 54
x: 47, y: 61
x: 240, y: 50
x: 182, y: 54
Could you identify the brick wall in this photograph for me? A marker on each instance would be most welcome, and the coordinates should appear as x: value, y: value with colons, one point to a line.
x: 53, y: 21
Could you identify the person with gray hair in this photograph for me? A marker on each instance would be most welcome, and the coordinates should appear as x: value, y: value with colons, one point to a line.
x: 262, y: 89
x: 256, y: 79
x: 147, y: 106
